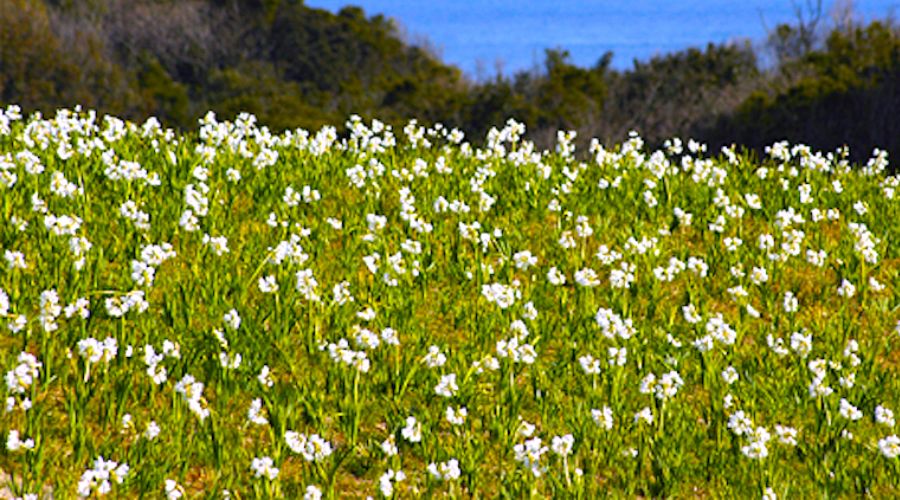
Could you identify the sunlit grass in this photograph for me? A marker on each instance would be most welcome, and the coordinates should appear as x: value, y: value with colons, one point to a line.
x: 302, y: 314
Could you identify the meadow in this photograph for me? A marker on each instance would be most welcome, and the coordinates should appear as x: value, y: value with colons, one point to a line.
x: 234, y: 313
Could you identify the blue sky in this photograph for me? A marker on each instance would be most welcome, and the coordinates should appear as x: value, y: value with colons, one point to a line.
x: 514, y: 33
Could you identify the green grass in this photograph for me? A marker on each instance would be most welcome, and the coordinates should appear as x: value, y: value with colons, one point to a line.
x: 517, y: 356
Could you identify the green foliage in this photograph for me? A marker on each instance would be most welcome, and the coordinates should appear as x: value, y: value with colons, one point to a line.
x: 33, y: 68
x: 184, y: 303
x: 297, y: 66
x: 846, y: 93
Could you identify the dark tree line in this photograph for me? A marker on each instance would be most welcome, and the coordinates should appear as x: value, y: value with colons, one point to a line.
x: 295, y: 66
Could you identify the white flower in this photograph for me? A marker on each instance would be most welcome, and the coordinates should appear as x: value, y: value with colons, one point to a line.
x: 173, y: 490
x: 387, y: 481
x: 849, y: 411
x: 846, y: 289
x: 589, y: 364
x: 313, y: 448
x: 562, y: 445
x: 255, y: 413
x: 730, y: 375
x: 265, y: 377
x: 456, y: 416
x: 618, y: 356
x: 312, y: 493
x: 389, y: 446
x: 445, y: 471
x: 307, y: 285
x: 268, y: 284
x: 603, y: 418
x: 555, y: 277
x: 889, y: 446
x: 99, y: 478
x: 502, y: 295
x: 668, y: 385
x: 264, y: 467
x: 739, y: 423
x: 801, y: 344
x: 15, y: 260
x: 413, y: 430
x: 645, y: 414
x: 192, y: 392
x: 884, y: 416
x: 786, y: 435
x: 523, y: 260
x: 529, y: 454
x: 434, y: 358
x: 232, y: 319
x: 152, y: 431
x: 13, y: 443
x: 219, y: 244
x: 757, y: 449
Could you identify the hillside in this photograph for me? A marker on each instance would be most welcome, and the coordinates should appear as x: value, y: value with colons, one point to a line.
x: 295, y: 66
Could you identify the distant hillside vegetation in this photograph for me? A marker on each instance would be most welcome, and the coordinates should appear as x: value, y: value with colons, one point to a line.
x: 296, y: 66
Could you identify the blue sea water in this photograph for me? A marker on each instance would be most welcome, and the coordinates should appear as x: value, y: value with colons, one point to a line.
x: 482, y: 36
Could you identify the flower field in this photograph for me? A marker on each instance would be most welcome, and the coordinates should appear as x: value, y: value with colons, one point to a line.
x: 233, y: 313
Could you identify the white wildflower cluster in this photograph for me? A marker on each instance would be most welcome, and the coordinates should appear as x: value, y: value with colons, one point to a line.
x: 412, y: 432
x: 515, y: 348
x: 445, y: 471
x: 218, y: 244
x: 456, y: 416
x: 665, y: 387
x: 143, y: 271
x: 388, y: 481
x: 446, y: 386
x: 671, y: 271
x: 20, y: 380
x: 612, y: 325
x: 289, y: 250
x: 603, y: 417
x: 524, y: 260
x: 94, y: 351
x: 79, y: 246
x: 64, y: 225
x: 589, y: 364
x: 607, y: 256
x: 312, y: 448
x: 15, y: 443
x: 341, y: 352
x: 192, y: 393
x: 98, y: 479
x: 502, y: 295
x: 118, y: 169
x: 408, y: 213
x: 587, y: 277
x: 529, y: 454
x: 264, y: 467
x: 195, y: 197
x: 306, y: 195
x: 307, y: 285
x: 80, y: 309
x: 889, y: 446
x: 118, y: 306
x: 153, y: 360
x: 130, y: 210
x: 717, y: 330
x: 623, y: 276
x: 49, y: 310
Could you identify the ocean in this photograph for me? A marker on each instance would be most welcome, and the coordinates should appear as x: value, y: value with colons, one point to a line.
x: 484, y: 36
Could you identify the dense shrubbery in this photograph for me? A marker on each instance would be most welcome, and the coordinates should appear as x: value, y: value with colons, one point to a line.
x: 295, y: 66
